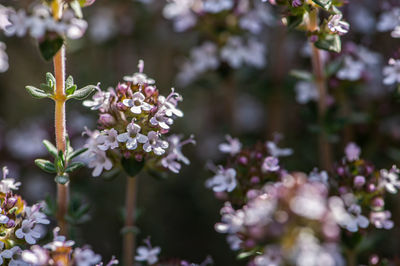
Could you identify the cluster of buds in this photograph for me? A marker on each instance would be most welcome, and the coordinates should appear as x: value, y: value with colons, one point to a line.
x: 362, y: 190
x: 18, y: 221
x: 61, y: 252
x: 246, y: 170
x: 231, y: 29
x: 288, y: 222
x: 134, y: 123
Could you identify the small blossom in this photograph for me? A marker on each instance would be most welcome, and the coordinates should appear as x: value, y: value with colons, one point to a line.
x: 233, y: 146
x: 392, y: 72
x: 137, y: 103
x: 224, y: 180
x: 148, y: 254
x: 175, y: 155
x: 99, y: 161
x: 132, y: 136
x: 28, y: 231
x: 86, y: 257
x: 381, y: 219
x: 336, y: 25
x: 306, y: 92
x: 390, y: 180
x: 100, y: 100
x: 351, y: 70
x: 275, y: 151
x: 108, y: 139
x: 352, y: 152
x: 270, y: 164
x: 155, y: 144
x: 216, y: 6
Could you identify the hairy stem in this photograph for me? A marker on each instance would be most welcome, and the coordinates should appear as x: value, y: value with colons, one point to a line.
x: 129, y: 235
x: 59, y: 121
x: 324, y: 146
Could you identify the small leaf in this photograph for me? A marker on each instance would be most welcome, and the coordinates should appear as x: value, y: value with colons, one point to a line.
x: 301, y: 74
x: 37, y: 93
x: 60, y: 162
x: 131, y: 166
x: 71, y: 90
x: 51, y: 148
x: 49, y: 47
x: 76, y: 153
x: 50, y: 79
x: 82, y: 93
x: 74, y: 166
x: 246, y: 254
x: 62, y: 179
x: 46, y: 166
x: 330, y: 43
x: 46, y: 88
x: 325, y: 4
x: 333, y: 67
x: 69, y: 82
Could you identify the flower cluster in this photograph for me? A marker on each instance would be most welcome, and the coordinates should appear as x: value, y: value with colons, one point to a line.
x: 18, y: 221
x: 246, y: 169
x: 61, y: 252
x: 40, y: 22
x: 362, y: 189
x: 288, y: 222
x: 134, y: 121
x: 231, y: 33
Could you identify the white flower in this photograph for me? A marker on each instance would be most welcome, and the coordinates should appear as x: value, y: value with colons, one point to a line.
x: 4, y: 12
x: 35, y: 215
x: 216, y: 6
x: 336, y: 25
x: 36, y: 256
x: 175, y: 155
x: 231, y: 221
x: 99, y: 161
x: 234, y: 242
x: 168, y: 105
x: 389, y: 20
x: 275, y: 151
x: 155, y: 144
x: 150, y: 255
x: 233, y: 146
x: 310, y: 201
x: 132, y: 136
x: 224, y: 180
x: 272, y: 257
x: 161, y: 119
x: 8, y: 184
x: 139, y: 78
x: 86, y: 257
x: 108, y: 139
x: 350, y: 219
x: 28, y: 231
x: 236, y: 53
x: 100, y: 100
x: 381, y: 219
x: 392, y: 72
x: 253, y: 20
x: 390, y: 180
x: 306, y: 91
x: 180, y: 11
x: 137, y: 103
x: 18, y: 24
x: 351, y: 70
x: 270, y: 164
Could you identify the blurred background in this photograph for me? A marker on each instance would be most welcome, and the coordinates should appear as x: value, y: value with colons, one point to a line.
x: 253, y: 104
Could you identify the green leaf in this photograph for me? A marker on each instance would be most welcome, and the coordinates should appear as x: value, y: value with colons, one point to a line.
x: 46, y: 166
x: 301, y: 74
x: 70, y: 90
x: 293, y: 21
x: 333, y: 67
x: 74, y: 166
x: 76, y: 153
x: 60, y: 162
x: 131, y: 166
x: 51, y: 148
x: 46, y: 88
x: 246, y: 254
x: 330, y: 43
x: 50, y: 79
x: 62, y: 179
x: 82, y: 93
x: 69, y: 82
x: 37, y: 93
x: 325, y: 4
x: 49, y: 47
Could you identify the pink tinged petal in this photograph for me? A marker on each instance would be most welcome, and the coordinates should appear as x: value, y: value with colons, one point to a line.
x: 136, y: 110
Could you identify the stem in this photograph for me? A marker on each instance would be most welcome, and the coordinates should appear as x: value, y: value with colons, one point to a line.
x: 324, y: 146
x: 129, y: 235
x: 59, y: 121
x: 351, y: 258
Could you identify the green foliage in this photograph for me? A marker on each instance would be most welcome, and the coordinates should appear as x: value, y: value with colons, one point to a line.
x: 329, y: 42
x: 50, y: 46
x: 81, y: 93
x: 131, y: 166
x: 325, y: 4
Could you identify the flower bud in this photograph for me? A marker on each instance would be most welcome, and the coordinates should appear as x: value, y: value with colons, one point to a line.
x: 122, y: 88
x: 121, y: 107
x: 378, y: 202
x: 255, y: 180
x: 10, y: 223
x: 11, y: 202
x: 371, y: 188
x: 359, y: 181
x: 149, y: 90
x: 106, y: 120
x: 243, y: 160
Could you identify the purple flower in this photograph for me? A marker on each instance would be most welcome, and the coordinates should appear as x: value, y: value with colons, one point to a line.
x: 270, y: 164
x: 352, y: 152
